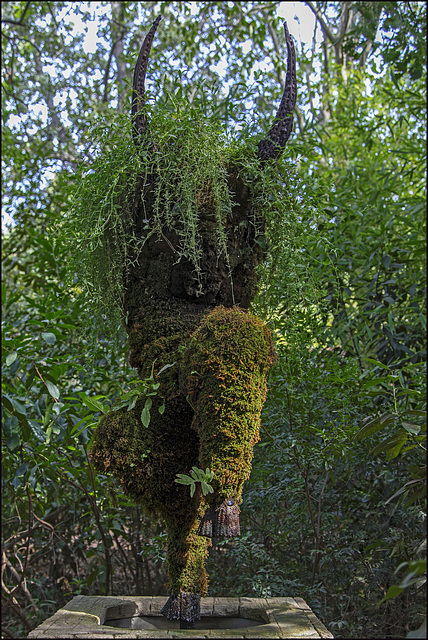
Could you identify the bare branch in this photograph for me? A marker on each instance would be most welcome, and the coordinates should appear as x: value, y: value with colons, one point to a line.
x: 274, y: 37
x: 300, y: 120
x: 57, y: 126
x: 22, y: 580
x: 118, y: 29
x: 17, y: 609
x: 324, y: 26
x: 7, y: 563
x: 107, y: 72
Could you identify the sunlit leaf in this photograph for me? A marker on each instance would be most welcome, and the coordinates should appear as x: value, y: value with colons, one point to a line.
x: 53, y: 389
x: 10, y: 358
x: 50, y: 338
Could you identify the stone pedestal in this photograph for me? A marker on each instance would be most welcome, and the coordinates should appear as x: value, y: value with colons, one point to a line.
x: 222, y: 618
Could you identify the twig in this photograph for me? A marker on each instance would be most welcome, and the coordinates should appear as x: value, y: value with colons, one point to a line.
x: 125, y: 558
x: 17, y: 609
x: 45, y: 524
x: 319, y: 502
x: 274, y: 441
x: 19, y: 22
x: 318, y: 536
x: 42, y: 379
x: 27, y: 551
x: 290, y: 420
x: 107, y: 71
x: 6, y: 563
x: 17, y: 511
x: 309, y: 501
x: 109, y: 567
x: 324, y: 26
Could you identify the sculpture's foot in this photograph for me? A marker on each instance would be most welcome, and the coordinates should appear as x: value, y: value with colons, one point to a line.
x: 221, y: 522
x: 185, y: 607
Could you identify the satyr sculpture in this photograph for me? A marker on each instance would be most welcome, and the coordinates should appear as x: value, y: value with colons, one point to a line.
x: 211, y: 357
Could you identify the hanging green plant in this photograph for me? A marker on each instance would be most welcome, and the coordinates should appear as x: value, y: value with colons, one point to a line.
x: 185, y: 155
x: 183, y: 162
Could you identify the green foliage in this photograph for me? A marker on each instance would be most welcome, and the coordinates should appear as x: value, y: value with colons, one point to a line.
x: 183, y: 160
x: 373, y: 225
x: 143, y: 388
x: 197, y: 475
x: 315, y: 520
x: 334, y: 529
x: 184, y: 153
x: 392, y: 388
x: 291, y: 214
x: 415, y: 569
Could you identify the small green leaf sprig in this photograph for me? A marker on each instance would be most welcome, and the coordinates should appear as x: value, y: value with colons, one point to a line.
x: 197, y: 475
x: 147, y: 387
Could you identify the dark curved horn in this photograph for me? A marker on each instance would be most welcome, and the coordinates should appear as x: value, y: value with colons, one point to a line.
x: 138, y: 117
x: 273, y: 145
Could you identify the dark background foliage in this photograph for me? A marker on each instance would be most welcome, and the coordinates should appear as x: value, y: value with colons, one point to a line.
x: 334, y: 511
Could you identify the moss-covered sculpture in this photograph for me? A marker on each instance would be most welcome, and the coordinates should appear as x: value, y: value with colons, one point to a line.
x: 193, y: 332
x: 213, y: 396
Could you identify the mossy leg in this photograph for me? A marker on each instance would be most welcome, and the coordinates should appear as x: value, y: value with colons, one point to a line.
x: 188, y: 579
x: 224, y: 374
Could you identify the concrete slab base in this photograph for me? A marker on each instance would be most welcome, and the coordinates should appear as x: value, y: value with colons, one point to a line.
x: 221, y: 618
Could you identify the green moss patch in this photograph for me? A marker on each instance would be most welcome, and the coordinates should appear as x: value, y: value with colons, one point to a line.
x: 224, y: 376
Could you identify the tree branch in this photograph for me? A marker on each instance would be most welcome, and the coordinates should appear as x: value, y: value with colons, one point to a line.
x: 300, y: 121
x: 57, y: 126
x: 318, y: 534
x: 345, y: 19
x: 19, y: 22
x: 274, y: 37
x: 118, y: 30
x: 126, y: 562
x: 95, y: 511
x: 10, y: 592
x: 107, y: 72
x: 324, y: 26
x: 27, y: 551
x: 109, y: 566
x: 17, y: 609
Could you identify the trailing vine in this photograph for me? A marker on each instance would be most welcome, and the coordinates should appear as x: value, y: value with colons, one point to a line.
x: 182, y: 159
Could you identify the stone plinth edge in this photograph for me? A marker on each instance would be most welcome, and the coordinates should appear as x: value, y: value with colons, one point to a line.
x: 88, y: 616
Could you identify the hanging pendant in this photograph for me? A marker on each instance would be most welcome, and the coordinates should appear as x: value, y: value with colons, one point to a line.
x: 221, y: 522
